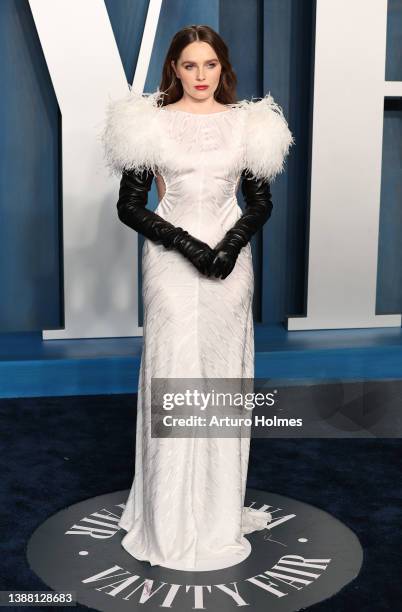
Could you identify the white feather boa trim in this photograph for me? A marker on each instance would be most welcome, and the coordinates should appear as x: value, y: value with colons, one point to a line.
x: 267, y: 138
x: 130, y: 134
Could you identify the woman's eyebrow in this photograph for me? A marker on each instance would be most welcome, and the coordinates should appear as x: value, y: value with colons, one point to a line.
x: 214, y: 59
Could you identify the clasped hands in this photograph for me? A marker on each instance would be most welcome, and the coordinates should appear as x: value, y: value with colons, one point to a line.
x: 217, y: 262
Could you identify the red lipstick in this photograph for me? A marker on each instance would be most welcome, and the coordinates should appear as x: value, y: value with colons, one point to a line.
x: 201, y: 87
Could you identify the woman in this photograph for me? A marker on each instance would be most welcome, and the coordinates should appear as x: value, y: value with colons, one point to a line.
x: 185, y: 508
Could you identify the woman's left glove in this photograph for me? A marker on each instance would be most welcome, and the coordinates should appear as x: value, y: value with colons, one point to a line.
x: 257, y: 195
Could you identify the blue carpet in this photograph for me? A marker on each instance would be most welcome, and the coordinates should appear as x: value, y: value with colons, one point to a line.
x: 57, y: 451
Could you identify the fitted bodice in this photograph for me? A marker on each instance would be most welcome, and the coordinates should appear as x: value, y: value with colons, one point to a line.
x: 198, y: 166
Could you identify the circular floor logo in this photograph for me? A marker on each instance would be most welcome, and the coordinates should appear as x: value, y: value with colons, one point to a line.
x: 304, y: 556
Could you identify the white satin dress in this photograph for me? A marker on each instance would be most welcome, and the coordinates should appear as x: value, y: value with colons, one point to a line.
x: 185, y: 509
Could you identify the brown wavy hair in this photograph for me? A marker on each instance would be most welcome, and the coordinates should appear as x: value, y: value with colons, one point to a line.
x: 171, y: 86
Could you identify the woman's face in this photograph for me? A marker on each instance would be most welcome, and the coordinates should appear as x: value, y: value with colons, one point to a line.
x: 198, y: 65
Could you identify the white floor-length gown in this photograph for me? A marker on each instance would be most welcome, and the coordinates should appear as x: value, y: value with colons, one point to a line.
x: 186, y: 508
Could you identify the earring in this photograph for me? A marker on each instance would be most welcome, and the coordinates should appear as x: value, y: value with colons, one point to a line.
x: 175, y: 78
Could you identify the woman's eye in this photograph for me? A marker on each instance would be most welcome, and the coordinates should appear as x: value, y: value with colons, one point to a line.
x: 210, y: 65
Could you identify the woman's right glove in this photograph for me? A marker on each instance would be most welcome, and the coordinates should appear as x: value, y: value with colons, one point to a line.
x: 198, y: 252
x: 131, y: 207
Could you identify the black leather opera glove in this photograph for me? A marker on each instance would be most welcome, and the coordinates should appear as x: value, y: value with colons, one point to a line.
x: 257, y: 195
x: 132, y: 210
